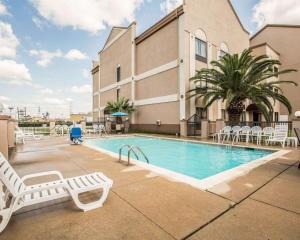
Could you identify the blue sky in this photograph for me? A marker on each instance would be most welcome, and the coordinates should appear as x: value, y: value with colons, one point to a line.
x: 54, y: 47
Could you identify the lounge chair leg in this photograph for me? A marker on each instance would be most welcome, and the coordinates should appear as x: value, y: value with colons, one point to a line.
x: 93, y: 205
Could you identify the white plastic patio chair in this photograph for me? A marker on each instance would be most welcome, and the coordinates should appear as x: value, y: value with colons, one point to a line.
x: 102, y: 129
x: 224, y: 133
x: 243, y: 132
x: 95, y: 128
x: 234, y: 132
x: 15, y: 194
x: 256, y: 132
x: 266, y: 133
x: 279, y: 136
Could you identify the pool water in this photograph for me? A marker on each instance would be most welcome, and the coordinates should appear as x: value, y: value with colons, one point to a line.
x: 196, y: 160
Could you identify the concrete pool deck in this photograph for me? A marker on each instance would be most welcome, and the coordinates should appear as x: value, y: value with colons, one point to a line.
x: 263, y: 204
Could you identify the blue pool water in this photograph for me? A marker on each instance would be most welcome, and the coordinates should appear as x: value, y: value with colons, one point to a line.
x: 192, y: 159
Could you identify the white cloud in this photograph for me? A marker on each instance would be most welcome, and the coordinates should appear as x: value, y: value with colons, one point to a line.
x: 14, y: 73
x: 276, y: 12
x: 46, y: 91
x: 91, y: 16
x: 39, y: 23
x: 169, y: 5
x: 4, y: 99
x: 8, y: 41
x: 3, y: 9
x: 86, y: 73
x: 82, y: 89
x: 75, y: 54
x: 45, y: 57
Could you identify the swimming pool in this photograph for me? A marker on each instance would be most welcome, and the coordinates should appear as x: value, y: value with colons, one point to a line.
x: 196, y: 160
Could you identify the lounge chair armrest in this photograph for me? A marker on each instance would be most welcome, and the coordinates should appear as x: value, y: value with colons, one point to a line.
x: 41, y: 174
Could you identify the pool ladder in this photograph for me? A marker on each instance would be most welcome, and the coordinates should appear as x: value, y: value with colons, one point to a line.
x: 131, y: 148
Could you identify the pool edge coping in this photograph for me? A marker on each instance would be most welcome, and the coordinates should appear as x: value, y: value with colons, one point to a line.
x: 206, y: 183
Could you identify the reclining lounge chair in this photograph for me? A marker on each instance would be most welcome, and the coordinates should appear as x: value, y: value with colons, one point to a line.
x: 15, y: 194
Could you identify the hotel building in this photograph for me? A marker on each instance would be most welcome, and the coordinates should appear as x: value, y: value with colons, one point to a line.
x: 153, y: 69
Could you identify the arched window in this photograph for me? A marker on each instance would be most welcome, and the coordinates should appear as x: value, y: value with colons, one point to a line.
x: 201, y: 46
x: 223, y: 50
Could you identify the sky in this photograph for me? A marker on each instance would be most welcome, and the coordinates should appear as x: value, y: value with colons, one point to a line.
x: 47, y: 46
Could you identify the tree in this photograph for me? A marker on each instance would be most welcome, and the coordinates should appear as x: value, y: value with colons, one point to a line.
x: 121, y: 105
x: 236, y: 78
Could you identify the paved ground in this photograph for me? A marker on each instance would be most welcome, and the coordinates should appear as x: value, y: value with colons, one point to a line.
x: 264, y: 204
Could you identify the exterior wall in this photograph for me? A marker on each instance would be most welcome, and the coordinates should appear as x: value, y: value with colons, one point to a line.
x: 259, y: 50
x: 119, y: 53
x: 285, y: 40
x: 96, y: 89
x: 157, y: 77
x: 217, y: 20
x: 116, y: 52
x: 163, y: 84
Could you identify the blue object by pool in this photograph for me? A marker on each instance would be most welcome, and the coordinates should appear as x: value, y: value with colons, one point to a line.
x: 75, y: 135
x: 193, y: 159
x: 119, y: 114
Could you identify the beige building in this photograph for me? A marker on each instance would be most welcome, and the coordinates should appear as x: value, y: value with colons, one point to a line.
x: 282, y: 42
x: 153, y: 69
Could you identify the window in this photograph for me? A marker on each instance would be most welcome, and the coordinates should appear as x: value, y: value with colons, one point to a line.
x: 276, y: 116
x: 201, y: 50
x: 118, y: 94
x: 276, y: 71
x: 118, y: 73
x: 223, y: 112
x: 201, y: 112
x: 222, y: 53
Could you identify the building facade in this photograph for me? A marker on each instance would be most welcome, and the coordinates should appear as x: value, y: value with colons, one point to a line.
x: 282, y: 42
x: 154, y: 68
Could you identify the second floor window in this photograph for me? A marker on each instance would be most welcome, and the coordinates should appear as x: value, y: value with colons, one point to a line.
x: 222, y: 53
x: 276, y: 71
x: 119, y: 73
x: 118, y: 94
x: 201, y: 50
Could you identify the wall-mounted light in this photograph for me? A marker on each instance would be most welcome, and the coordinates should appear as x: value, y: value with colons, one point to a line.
x: 297, y: 114
x: 158, y: 122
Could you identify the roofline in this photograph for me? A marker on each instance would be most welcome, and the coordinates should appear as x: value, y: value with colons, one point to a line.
x: 264, y: 44
x: 160, y: 24
x: 274, y: 25
x: 124, y: 28
x: 238, y: 18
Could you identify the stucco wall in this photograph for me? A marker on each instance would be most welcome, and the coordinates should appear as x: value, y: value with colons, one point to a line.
x: 168, y: 113
x: 119, y: 53
x: 158, y: 49
x: 163, y: 84
x: 285, y: 40
x: 220, y: 25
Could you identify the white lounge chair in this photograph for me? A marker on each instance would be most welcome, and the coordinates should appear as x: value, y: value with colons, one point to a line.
x: 15, y: 194
x: 279, y: 136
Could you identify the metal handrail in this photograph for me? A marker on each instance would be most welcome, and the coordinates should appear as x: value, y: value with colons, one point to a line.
x: 131, y: 149
x: 140, y: 150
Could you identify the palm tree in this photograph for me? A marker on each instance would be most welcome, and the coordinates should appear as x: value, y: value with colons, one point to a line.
x: 236, y: 78
x: 121, y: 105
